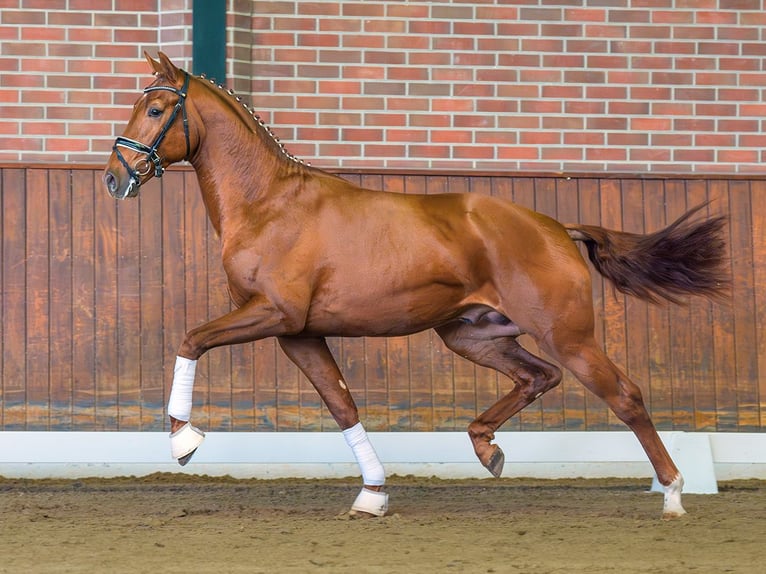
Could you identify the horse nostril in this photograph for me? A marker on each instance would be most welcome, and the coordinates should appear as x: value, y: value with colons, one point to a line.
x: 110, y: 181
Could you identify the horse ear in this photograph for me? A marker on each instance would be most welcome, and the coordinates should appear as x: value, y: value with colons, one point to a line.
x: 168, y: 68
x: 164, y: 67
x: 156, y: 67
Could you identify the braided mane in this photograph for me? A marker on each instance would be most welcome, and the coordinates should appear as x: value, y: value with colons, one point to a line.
x: 259, y: 123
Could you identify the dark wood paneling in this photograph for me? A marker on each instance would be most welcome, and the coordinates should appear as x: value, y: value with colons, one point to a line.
x: 96, y: 296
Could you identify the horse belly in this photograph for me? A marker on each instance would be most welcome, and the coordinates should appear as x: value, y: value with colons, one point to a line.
x: 377, y: 313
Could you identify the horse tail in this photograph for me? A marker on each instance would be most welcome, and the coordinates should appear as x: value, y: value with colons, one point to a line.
x: 685, y: 258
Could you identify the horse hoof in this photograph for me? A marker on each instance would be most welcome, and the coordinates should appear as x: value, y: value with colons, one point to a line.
x: 184, y: 443
x: 496, y: 463
x: 370, y: 503
x: 184, y: 459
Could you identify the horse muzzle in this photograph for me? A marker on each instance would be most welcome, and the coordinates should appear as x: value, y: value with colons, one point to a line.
x: 118, y: 191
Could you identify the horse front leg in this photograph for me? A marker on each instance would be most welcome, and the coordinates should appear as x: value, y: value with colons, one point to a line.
x: 314, y: 359
x: 256, y: 319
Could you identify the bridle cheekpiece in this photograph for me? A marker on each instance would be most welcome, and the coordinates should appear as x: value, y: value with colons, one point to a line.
x: 144, y: 166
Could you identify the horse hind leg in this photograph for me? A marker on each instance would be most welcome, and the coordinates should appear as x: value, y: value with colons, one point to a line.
x: 490, y: 346
x: 599, y: 375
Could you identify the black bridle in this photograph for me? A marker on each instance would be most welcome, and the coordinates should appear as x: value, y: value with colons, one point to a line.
x: 144, y: 166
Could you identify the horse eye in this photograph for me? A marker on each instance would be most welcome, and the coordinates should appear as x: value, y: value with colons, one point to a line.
x: 154, y: 112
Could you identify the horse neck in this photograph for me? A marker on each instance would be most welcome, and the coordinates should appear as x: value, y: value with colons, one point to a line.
x: 237, y: 159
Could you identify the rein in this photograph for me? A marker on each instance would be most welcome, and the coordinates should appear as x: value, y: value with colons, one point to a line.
x: 144, y: 166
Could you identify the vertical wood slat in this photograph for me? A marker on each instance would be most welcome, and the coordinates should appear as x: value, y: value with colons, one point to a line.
x: 61, y: 303
x: 97, y: 295
x: 14, y: 324
x: 37, y: 301
x: 84, y: 302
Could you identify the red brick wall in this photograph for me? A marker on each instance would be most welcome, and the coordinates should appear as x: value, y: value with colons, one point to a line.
x: 71, y: 70
x: 627, y: 85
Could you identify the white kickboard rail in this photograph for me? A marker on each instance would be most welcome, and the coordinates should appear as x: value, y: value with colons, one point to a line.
x: 703, y: 458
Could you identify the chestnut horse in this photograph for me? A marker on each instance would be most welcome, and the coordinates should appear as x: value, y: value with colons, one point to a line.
x: 309, y: 255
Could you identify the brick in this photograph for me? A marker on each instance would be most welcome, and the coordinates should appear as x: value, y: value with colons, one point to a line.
x: 473, y: 121
x: 561, y: 153
x: 738, y: 125
x: 652, y: 154
x: 715, y: 140
x: 585, y: 15
x: 495, y: 45
x: 587, y: 46
x: 561, y: 30
x: 430, y: 151
x: 606, y: 123
x: 541, y: 76
x: 628, y: 108
x: 22, y: 18
x: 428, y: 27
x: 694, y: 155
x: 497, y: 12
x: 453, y: 43
x: 584, y: 138
x: 540, y: 138
x: 698, y: 94
x: 606, y: 92
x: 672, y: 17
x: 682, y: 33
x: 541, y: 106
x: 541, y: 14
x: 452, y: 105
x: 473, y: 152
x: 363, y: 9
x: 385, y: 27
x: 605, y: 154
x: 584, y: 107
x: 384, y: 150
x: 497, y: 75
x: 450, y: 136
x: 627, y: 139
x: 738, y: 33
x: 42, y: 128
x: 496, y: 138
x: 564, y: 92
x: 517, y: 152
x: 694, y: 125
x: 440, y: 12
x: 738, y: 156
x: 474, y: 28
x: 319, y: 40
x: 739, y: 64
x: 406, y: 135
x: 673, y: 109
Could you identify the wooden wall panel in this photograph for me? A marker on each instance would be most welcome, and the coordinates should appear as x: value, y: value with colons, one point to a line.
x: 97, y: 294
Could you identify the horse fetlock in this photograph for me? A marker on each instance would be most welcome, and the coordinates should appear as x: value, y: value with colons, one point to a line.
x: 672, y: 507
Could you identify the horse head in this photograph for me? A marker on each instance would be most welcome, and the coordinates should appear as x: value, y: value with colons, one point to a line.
x: 157, y: 134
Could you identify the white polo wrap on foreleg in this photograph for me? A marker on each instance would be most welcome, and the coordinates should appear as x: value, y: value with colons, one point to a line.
x: 180, y: 402
x: 372, y: 469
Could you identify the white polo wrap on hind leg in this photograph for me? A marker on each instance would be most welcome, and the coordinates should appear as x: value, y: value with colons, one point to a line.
x: 372, y: 469
x: 180, y: 402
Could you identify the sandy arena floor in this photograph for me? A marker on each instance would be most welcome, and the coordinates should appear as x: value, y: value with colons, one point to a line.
x: 175, y: 523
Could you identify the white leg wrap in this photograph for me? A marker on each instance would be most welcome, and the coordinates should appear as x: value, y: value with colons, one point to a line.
x: 372, y: 469
x: 180, y: 402
x: 672, y: 499
x: 371, y: 502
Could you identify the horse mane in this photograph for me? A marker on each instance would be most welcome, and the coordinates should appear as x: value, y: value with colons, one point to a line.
x: 250, y: 118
